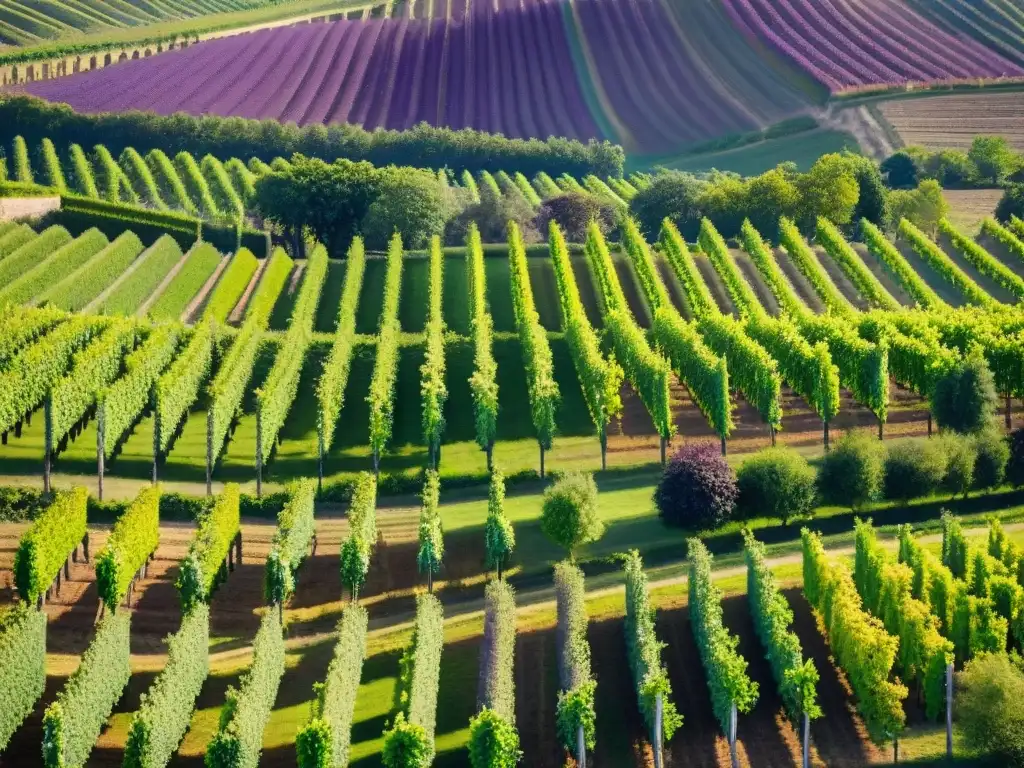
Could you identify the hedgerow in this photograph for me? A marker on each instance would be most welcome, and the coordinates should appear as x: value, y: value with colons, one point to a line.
x: 82, y: 286
x: 493, y: 738
x: 83, y: 181
x: 238, y: 742
x: 577, y: 686
x: 53, y: 268
x: 650, y: 676
x: 163, y: 718
x: 205, y: 564
x: 325, y: 739
x: 221, y: 189
x: 135, y: 537
x: 72, y: 723
x: 295, y: 530
x: 53, y: 174
x: 22, y: 665
x: 410, y: 741
x: 862, y: 648
x: 16, y: 263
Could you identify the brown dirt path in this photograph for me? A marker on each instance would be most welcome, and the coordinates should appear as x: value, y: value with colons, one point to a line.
x: 885, y: 277
x: 756, y: 282
x: 800, y: 283
x: 840, y: 279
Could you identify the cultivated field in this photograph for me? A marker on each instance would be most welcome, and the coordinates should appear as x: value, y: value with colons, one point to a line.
x: 952, y: 121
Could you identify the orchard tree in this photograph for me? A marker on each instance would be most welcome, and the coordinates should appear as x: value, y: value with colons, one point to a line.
x: 965, y: 399
x: 1011, y: 203
x: 673, y: 195
x: 499, y: 536
x: 900, y: 170
x: 828, y: 189
x: 570, y: 515
x: 993, y: 159
x: 573, y: 212
x: 411, y: 202
x: 852, y: 472
x: 923, y: 207
x: 776, y: 482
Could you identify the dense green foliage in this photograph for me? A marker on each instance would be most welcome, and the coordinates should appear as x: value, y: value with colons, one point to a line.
x: 964, y: 399
x: 938, y: 260
x: 85, y: 284
x: 325, y: 739
x: 358, y: 547
x: 990, y: 707
x: 776, y: 482
x: 796, y: 678
x: 239, y: 738
x: 385, y: 368
x: 483, y: 383
x: 577, y: 686
x: 499, y: 536
x: 134, y: 539
x: 166, y: 710
x: 493, y: 739
x: 432, y: 372
x: 861, y: 646
x: 52, y: 268
x: 231, y: 285
x: 831, y: 239
x: 22, y: 666
x: 178, y: 387
x: 570, y: 516
x: 295, y: 531
x: 725, y: 668
x: 205, y: 564
x: 72, y: 723
x: 650, y: 676
x: 414, y: 747
x: 430, y: 533
x: 852, y: 472
x: 49, y: 542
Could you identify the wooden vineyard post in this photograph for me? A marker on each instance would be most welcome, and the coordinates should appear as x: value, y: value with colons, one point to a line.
x: 541, y: 463
x: 658, y: 713
x: 100, y: 453
x: 604, y: 449
x: 881, y: 428
x: 1009, y: 420
x: 581, y: 748
x: 664, y: 444
x: 156, y: 439
x: 825, y: 433
x: 949, y: 711
x: 724, y: 448
x: 807, y: 741
x: 48, y: 441
x: 771, y: 432
x: 259, y: 452
x: 733, y: 715
x: 209, y: 452
x: 929, y: 423
x: 319, y: 455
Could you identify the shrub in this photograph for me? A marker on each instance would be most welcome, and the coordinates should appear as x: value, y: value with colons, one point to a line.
x: 961, y: 456
x: 1011, y: 203
x: 990, y: 707
x: 573, y: 211
x: 776, y: 482
x: 914, y: 468
x: 993, y: 454
x: 965, y: 399
x: 697, y: 490
x: 570, y: 516
x: 851, y: 474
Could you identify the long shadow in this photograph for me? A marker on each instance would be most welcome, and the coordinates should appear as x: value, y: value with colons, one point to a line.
x: 232, y: 609
x: 536, y: 676
x: 621, y: 733
x: 73, y: 628
x: 836, y: 734
x: 157, y: 614
x: 694, y: 744
x: 297, y: 684
x: 318, y: 581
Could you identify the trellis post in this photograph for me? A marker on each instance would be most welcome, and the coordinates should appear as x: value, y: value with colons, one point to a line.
x: 101, y: 428
x: 949, y: 711
x: 581, y: 748
x: 48, y: 440
x: 733, y: 716
x: 658, y: 714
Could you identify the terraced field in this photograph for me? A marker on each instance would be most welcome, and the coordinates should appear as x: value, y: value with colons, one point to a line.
x: 952, y: 121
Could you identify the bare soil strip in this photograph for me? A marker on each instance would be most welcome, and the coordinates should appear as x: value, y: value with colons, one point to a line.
x: 800, y: 283
x: 886, y: 278
x: 753, y: 277
x: 840, y: 280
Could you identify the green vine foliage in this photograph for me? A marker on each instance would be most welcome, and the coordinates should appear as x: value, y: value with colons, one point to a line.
x: 358, y: 547
x: 484, y: 382
x: 831, y: 239
x: 134, y: 539
x: 22, y: 665
x: 751, y: 369
x: 650, y: 675
x: 533, y: 339
x: 239, y: 738
x: 410, y: 741
x: 639, y: 254
x: 172, y: 190
x: 648, y: 372
x: 805, y: 260
x: 982, y: 260
x: 431, y: 534
x: 83, y: 180
x: 433, y: 389
x: 698, y: 295
x: 231, y: 286
x: 768, y: 267
x: 863, y: 365
x: 577, y: 685
x: 20, y: 327
x: 885, y: 587
x: 704, y: 373
x: 894, y: 261
x: 493, y: 741
x: 275, y: 398
x: 938, y: 260
x: 385, y: 370
x: 36, y: 368
x: 21, y: 259
x: 53, y: 174
x: 204, y: 566
x: 714, y: 247
x: 47, y: 544
x: 325, y: 739
x: 330, y: 388
x: 72, y: 723
x: 177, y: 389
x: 861, y: 646
x: 726, y: 669
x: 773, y: 618
x: 295, y: 530
x: 38, y: 279
x: 602, y: 269
x: 915, y: 363
x: 499, y: 536
x: 120, y: 405
x: 807, y: 368
x: 140, y: 177
x: 95, y: 367
x: 166, y: 709
x: 195, y: 184
x: 600, y: 378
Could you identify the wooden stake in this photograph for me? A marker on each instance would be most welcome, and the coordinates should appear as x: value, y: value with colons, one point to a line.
x: 733, y: 716
x: 949, y: 711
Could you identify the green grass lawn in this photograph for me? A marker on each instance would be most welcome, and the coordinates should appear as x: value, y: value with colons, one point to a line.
x: 330, y: 297
x: 371, y: 298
